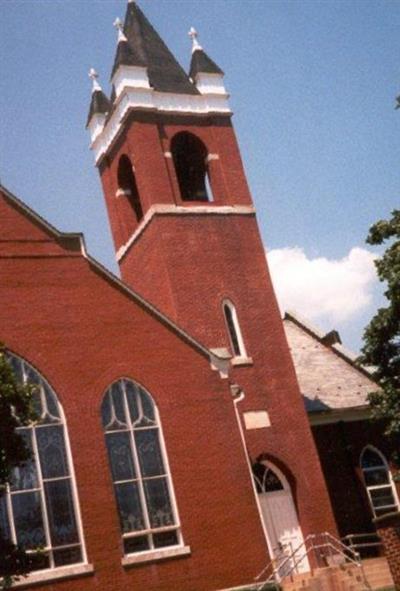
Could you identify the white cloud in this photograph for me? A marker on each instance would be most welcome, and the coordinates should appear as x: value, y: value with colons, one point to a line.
x: 321, y: 288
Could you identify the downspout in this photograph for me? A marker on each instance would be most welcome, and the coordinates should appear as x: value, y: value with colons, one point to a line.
x: 238, y: 395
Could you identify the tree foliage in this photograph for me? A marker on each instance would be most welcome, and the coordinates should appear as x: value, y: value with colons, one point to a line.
x: 381, y: 348
x: 16, y: 410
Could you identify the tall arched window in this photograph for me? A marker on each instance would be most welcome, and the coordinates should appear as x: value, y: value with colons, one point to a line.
x: 139, y: 468
x: 127, y: 183
x: 190, y: 160
x: 39, y: 508
x: 378, y: 482
x: 232, y: 324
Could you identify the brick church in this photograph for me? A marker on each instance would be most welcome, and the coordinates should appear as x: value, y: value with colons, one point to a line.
x: 176, y: 449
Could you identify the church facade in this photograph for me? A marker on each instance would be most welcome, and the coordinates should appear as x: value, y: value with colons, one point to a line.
x: 173, y: 449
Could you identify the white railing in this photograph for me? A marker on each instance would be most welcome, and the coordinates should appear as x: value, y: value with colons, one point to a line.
x: 325, y: 550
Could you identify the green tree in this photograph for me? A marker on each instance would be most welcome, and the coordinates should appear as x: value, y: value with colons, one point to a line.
x: 16, y: 410
x: 381, y: 348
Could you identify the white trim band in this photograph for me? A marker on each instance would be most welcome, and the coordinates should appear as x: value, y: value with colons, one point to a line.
x: 182, y: 210
x: 155, y: 555
x: 55, y: 574
x: 147, y: 99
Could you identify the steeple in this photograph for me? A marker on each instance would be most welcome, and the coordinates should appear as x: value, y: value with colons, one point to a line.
x: 145, y: 48
x: 99, y: 108
x: 204, y: 72
x: 201, y: 63
x: 146, y: 78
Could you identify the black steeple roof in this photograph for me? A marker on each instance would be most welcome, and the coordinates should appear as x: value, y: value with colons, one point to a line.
x: 144, y: 47
x: 201, y: 63
x: 99, y: 104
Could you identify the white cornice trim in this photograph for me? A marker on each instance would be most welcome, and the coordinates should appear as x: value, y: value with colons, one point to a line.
x: 345, y: 415
x: 147, y: 99
x: 181, y: 210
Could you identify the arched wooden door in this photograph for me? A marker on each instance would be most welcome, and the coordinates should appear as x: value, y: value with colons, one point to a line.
x: 280, y: 518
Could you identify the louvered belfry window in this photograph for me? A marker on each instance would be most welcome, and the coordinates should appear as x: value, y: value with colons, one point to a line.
x: 138, y: 464
x: 39, y: 510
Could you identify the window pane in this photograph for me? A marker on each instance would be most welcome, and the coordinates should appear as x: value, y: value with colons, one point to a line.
x: 28, y: 519
x: 51, y: 446
x: 149, y: 452
x: 379, y: 512
x: 232, y: 330
x: 376, y: 477
x: 60, y: 510
x: 67, y: 556
x: 138, y: 544
x: 39, y: 561
x: 120, y: 456
x: 4, y: 525
x: 158, y: 502
x: 371, y: 459
x: 25, y: 476
x: 382, y: 496
x: 129, y: 507
x: 168, y: 538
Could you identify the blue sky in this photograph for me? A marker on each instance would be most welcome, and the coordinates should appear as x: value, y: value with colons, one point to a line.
x: 312, y: 87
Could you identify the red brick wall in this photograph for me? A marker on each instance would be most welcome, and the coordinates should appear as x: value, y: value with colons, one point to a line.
x: 82, y: 333
x: 187, y: 264
x: 388, y: 527
x: 340, y: 446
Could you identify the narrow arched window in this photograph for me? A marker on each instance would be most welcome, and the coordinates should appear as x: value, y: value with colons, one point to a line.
x: 128, y: 187
x: 39, y: 509
x: 233, y: 328
x: 378, y: 482
x: 138, y: 462
x: 190, y: 161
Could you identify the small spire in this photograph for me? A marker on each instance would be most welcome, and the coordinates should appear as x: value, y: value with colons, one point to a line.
x: 93, y: 75
x: 193, y: 34
x: 118, y: 24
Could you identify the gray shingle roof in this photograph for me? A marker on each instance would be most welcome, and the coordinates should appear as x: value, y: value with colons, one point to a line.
x: 99, y: 104
x: 144, y: 47
x: 202, y: 63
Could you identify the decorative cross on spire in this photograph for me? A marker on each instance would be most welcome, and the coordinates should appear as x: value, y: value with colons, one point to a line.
x: 193, y: 34
x: 93, y: 75
x: 118, y: 24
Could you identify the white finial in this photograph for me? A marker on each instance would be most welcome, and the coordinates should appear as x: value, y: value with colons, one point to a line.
x: 118, y: 24
x: 193, y: 34
x: 93, y: 75
x: 131, y: 1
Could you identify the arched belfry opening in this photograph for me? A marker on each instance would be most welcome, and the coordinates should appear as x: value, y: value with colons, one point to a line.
x: 128, y: 187
x: 191, y: 166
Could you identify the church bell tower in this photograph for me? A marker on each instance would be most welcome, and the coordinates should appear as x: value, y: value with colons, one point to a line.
x: 186, y: 239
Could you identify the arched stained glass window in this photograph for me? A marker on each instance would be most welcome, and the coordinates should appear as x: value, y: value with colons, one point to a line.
x: 138, y: 464
x: 39, y: 508
x: 378, y: 482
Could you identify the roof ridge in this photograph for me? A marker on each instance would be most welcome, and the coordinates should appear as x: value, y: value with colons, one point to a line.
x: 214, y: 358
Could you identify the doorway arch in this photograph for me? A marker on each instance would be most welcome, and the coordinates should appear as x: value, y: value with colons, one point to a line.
x: 280, y: 517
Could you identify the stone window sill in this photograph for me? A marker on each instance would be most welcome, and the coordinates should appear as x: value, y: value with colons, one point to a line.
x: 155, y: 556
x: 242, y: 361
x: 55, y: 574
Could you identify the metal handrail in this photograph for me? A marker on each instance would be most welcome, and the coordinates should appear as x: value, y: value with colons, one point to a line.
x: 328, y: 541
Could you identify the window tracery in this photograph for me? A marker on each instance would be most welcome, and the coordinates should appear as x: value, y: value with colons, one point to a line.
x: 139, y: 469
